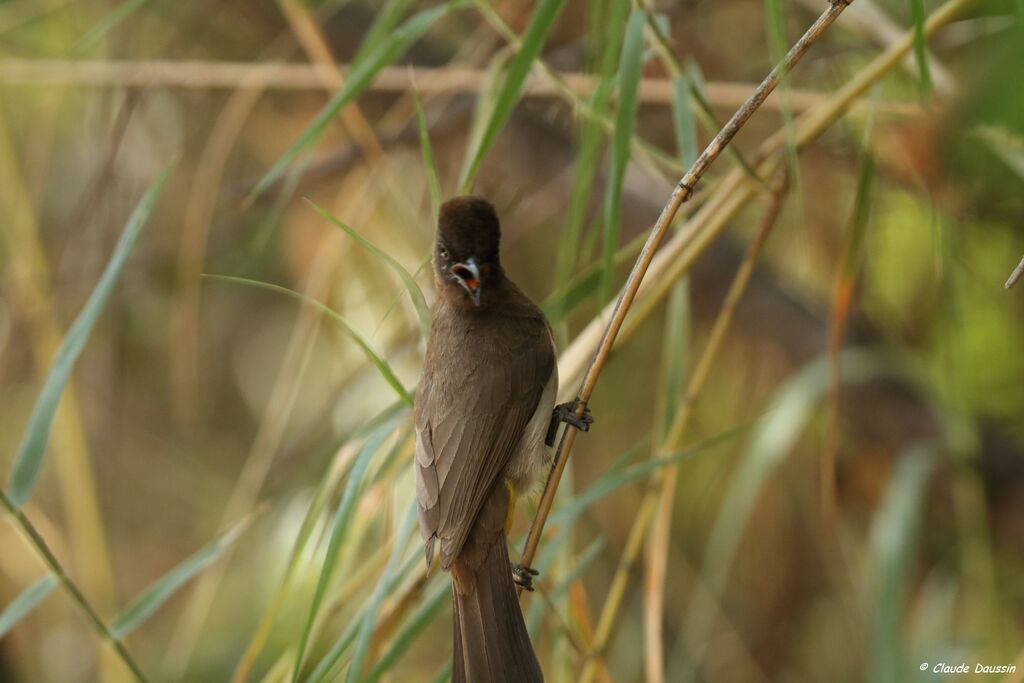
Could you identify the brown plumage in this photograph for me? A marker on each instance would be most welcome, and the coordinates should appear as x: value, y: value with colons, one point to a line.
x: 482, y: 407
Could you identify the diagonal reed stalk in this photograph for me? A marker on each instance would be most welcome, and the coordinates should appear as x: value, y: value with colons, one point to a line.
x: 680, y: 194
x: 1015, y: 275
x: 733, y: 191
x: 36, y: 540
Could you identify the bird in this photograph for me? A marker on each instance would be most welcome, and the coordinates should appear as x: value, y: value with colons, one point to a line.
x: 483, y: 408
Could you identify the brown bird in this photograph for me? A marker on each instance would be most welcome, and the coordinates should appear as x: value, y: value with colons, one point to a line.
x: 483, y: 408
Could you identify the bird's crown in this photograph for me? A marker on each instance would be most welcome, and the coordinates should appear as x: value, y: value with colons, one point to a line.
x: 468, y: 227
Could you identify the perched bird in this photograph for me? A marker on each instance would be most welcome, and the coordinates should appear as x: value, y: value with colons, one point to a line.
x: 483, y: 407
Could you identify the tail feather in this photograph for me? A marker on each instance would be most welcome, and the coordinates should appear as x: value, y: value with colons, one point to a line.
x: 491, y: 643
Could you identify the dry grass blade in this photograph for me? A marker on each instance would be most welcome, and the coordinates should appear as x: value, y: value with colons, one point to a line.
x: 309, y: 35
x: 204, y: 75
x: 360, y: 78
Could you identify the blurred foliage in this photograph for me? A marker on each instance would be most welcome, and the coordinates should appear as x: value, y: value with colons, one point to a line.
x: 227, y: 477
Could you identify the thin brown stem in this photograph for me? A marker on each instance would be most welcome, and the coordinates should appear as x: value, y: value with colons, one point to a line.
x: 446, y: 80
x: 682, y: 191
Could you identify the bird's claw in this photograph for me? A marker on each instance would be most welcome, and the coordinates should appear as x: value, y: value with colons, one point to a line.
x: 566, y: 412
x: 523, y: 576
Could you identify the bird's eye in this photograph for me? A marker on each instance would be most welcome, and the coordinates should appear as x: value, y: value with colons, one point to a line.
x: 443, y: 253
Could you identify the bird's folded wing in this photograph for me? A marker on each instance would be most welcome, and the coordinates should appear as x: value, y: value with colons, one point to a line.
x: 466, y: 433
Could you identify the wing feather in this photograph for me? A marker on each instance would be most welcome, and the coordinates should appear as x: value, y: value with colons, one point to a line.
x: 471, y: 412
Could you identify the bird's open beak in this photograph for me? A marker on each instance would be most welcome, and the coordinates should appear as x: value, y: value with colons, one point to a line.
x: 468, y: 275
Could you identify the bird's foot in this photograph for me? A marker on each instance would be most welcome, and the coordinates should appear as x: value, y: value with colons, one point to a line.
x: 523, y: 576
x: 566, y: 412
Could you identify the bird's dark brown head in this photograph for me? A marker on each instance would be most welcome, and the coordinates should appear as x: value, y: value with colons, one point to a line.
x: 467, y: 263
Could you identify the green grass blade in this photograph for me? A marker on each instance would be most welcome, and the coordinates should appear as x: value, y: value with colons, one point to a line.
x: 411, y: 629
x: 616, y: 478
x: 589, y: 158
x: 580, y: 564
x: 277, y: 601
x: 486, y: 100
x: 861, y: 214
x: 895, y: 533
x: 444, y: 675
x: 706, y: 116
x: 151, y: 599
x: 519, y: 68
x: 29, y: 459
x: 339, y: 531
x: 776, y: 27
x: 587, y: 163
x: 630, y: 66
x: 684, y: 121
x: 389, y: 418
x: 360, y: 77
x: 385, y: 22
x: 428, y: 158
x: 378, y: 362
x: 418, y: 302
x: 563, y: 301
x: 674, y: 357
x: 774, y: 436
x: 398, y: 297
x: 924, y: 73
x: 369, y: 620
x: 324, y: 667
x: 389, y: 463
x: 1004, y: 144
x: 697, y: 81
x: 26, y: 602
x: 112, y: 19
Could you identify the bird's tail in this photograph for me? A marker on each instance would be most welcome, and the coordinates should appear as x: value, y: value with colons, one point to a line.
x: 491, y: 642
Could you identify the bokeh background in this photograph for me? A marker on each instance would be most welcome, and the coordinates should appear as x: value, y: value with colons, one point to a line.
x: 843, y: 496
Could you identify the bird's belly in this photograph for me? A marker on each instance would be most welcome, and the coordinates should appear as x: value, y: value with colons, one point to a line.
x: 532, y: 453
